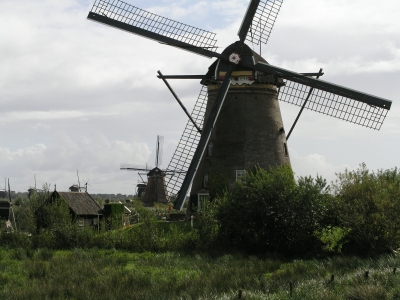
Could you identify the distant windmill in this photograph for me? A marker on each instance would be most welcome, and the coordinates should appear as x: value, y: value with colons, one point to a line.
x: 155, y: 190
x: 236, y: 122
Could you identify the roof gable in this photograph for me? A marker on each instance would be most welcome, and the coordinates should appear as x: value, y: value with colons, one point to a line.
x: 81, y: 203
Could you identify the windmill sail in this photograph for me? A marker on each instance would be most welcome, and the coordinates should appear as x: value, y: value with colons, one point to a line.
x: 334, y: 105
x: 262, y: 20
x: 159, y: 150
x: 131, y: 167
x: 187, y: 145
x: 127, y: 17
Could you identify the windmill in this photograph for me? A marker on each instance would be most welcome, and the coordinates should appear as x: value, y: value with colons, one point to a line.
x: 236, y: 122
x: 155, y: 190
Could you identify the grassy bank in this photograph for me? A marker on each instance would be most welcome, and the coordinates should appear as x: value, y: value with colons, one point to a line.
x: 112, y: 274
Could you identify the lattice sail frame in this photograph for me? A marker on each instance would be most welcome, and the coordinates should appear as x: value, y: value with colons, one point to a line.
x: 134, y: 16
x: 132, y: 167
x: 188, y: 143
x: 330, y: 104
x: 263, y: 21
x: 159, y: 150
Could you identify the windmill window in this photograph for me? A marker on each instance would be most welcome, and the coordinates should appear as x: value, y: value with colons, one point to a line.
x: 285, y: 149
x: 209, y: 149
x: 202, y: 197
x: 205, y: 180
x: 239, y: 174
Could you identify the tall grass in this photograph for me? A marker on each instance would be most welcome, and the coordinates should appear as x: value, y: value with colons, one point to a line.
x: 115, y: 274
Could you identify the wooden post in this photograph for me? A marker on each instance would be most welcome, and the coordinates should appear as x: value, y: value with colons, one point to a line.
x: 366, y: 274
x: 291, y: 288
x: 240, y: 294
x: 394, y: 270
x: 330, y: 281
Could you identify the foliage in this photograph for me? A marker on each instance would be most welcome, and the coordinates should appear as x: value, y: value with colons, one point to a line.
x: 37, y: 206
x: 24, y: 216
x: 333, y: 238
x: 368, y: 204
x: 218, y: 184
x: 266, y: 211
x: 269, y: 211
x: 207, y: 226
x: 113, y: 214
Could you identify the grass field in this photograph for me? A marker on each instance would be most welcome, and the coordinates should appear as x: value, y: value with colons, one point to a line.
x: 112, y: 274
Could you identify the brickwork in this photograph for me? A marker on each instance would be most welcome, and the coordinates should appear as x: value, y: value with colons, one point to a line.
x: 249, y: 132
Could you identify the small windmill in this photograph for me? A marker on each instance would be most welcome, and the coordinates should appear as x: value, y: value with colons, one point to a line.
x: 155, y: 190
x: 236, y: 122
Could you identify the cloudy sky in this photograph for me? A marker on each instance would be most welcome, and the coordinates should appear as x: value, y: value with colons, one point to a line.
x: 78, y: 95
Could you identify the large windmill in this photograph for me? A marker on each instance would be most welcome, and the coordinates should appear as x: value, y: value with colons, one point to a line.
x: 236, y: 121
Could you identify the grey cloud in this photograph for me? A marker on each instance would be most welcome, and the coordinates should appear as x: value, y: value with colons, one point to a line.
x: 79, y: 95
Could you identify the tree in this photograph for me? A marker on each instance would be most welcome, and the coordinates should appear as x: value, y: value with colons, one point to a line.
x: 270, y: 211
x: 368, y: 205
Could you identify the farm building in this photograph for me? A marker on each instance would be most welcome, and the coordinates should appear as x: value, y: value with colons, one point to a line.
x: 116, y: 215
x: 83, y: 208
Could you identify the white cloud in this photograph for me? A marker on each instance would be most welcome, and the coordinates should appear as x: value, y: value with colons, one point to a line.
x: 315, y: 164
x: 96, y: 158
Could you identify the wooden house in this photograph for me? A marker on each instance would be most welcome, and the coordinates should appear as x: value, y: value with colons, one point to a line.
x: 83, y: 208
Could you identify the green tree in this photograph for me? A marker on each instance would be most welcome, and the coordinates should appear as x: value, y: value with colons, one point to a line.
x: 270, y: 211
x: 24, y: 215
x: 368, y: 205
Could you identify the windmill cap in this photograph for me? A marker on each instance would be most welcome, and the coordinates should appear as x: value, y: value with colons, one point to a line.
x: 155, y: 171
x: 247, y: 55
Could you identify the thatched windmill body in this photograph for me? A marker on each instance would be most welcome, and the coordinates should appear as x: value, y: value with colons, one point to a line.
x: 236, y: 121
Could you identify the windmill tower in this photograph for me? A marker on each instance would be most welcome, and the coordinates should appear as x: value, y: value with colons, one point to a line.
x: 239, y: 91
x: 156, y: 190
x: 249, y: 131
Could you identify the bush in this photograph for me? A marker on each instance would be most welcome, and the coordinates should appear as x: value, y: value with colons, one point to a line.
x: 270, y: 211
x: 207, y: 227
x: 368, y: 204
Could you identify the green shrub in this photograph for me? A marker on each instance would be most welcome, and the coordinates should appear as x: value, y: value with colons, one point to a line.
x: 333, y: 238
x: 207, y: 226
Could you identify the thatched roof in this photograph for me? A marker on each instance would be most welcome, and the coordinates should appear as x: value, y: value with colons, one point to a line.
x: 81, y: 203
